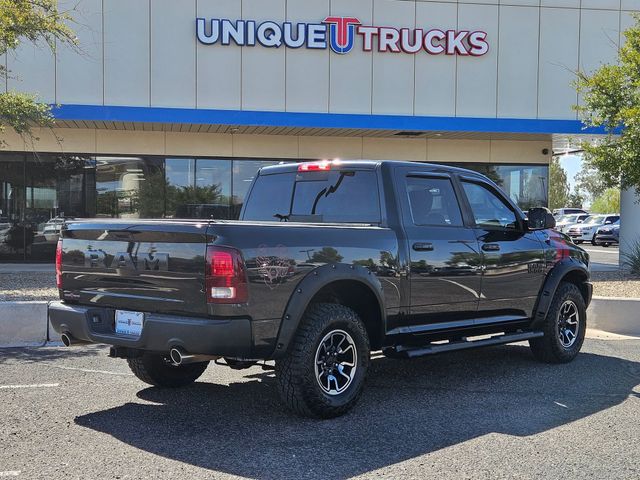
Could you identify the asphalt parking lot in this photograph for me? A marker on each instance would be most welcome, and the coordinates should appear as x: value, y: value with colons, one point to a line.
x: 492, y: 413
x: 603, y: 259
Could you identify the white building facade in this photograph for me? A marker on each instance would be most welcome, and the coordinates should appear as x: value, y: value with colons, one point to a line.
x: 168, y: 107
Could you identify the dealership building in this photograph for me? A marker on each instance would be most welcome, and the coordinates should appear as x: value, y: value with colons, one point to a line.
x: 168, y: 107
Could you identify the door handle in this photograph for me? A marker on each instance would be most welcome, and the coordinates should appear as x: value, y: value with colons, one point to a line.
x: 490, y: 247
x: 423, y: 247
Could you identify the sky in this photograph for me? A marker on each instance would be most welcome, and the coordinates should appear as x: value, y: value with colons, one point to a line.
x: 572, y: 165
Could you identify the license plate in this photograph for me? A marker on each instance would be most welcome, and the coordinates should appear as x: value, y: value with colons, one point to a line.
x: 129, y: 323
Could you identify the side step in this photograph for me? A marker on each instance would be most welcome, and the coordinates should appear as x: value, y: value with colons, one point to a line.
x: 401, y: 351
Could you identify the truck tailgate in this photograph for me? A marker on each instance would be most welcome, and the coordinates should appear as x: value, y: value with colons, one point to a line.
x: 150, y: 266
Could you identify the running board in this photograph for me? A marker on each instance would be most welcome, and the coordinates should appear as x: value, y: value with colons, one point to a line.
x: 411, y: 352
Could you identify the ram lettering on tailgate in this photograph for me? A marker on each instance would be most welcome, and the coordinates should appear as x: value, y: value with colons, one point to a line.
x: 151, y: 261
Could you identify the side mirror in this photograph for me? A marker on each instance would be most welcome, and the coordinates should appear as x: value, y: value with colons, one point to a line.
x: 608, y: 222
x: 540, y: 218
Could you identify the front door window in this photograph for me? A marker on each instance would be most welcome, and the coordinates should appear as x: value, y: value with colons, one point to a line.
x: 489, y: 210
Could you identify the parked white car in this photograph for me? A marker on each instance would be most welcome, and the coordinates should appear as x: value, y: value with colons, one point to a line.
x: 559, y: 212
x: 51, y: 230
x: 569, y: 220
x: 586, y: 231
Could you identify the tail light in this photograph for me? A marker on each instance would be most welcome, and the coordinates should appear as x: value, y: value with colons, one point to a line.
x: 226, y: 278
x: 59, y: 264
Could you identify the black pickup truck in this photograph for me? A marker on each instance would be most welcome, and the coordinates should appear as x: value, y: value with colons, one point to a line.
x: 328, y: 262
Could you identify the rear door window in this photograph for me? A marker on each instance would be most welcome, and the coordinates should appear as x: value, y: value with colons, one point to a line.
x: 433, y: 202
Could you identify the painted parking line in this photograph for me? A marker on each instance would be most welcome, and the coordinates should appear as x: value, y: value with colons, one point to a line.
x: 10, y: 473
x: 33, y: 385
x: 88, y: 370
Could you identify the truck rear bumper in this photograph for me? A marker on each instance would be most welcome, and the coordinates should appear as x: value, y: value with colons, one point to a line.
x: 160, y: 333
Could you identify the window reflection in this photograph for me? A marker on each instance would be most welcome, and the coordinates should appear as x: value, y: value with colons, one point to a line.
x: 129, y: 187
x: 198, y: 188
x: 13, y: 238
x: 244, y: 172
x: 527, y: 185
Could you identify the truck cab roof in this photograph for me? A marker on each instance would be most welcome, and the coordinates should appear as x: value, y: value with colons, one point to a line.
x: 366, y: 165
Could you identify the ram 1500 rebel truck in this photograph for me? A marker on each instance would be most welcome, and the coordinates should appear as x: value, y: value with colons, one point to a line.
x: 328, y: 262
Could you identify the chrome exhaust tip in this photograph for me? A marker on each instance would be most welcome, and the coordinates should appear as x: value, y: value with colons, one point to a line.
x: 179, y: 356
x: 69, y: 340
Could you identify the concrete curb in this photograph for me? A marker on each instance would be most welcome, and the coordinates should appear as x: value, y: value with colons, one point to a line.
x: 615, y: 315
x: 23, y: 324
x: 26, y: 324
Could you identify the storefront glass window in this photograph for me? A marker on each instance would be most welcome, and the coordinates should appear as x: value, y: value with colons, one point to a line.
x: 198, y: 188
x: 13, y: 239
x: 130, y: 187
x: 39, y: 191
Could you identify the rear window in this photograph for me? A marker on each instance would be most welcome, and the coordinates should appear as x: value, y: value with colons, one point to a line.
x: 339, y: 196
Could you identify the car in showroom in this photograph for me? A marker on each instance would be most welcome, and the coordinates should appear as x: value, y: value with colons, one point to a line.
x: 586, y: 231
x: 565, y: 221
x: 608, y: 235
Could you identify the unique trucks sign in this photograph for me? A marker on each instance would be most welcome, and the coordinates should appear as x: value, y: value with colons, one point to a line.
x: 340, y: 33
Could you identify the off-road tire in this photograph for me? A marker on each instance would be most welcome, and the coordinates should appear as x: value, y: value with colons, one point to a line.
x: 549, y: 349
x: 296, y: 372
x: 154, y: 369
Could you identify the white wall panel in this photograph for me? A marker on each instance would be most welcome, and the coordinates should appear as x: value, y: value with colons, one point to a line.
x: 152, y: 57
x: 263, y: 69
x: 523, y: 3
x: 477, y: 76
x: 626, y: 21
x: 173, y: 53
x: 393, y: 73
x: 126, y: 52
x: 630, y: 4
x: 601, y: 4
x: 559, y: 37
x: 518, y: 62
x: 599, y: 37
x: 560, y: 3
x: 307, y: 69
x: 219, y: 75
x: 32, y: 69
x: 79, y: 75
x: 435, y: 90
x: 350, y: 74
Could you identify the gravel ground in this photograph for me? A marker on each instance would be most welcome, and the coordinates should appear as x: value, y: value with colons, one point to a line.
x: 28, y: 286
x: 615, y: 284
x: 41, y: 285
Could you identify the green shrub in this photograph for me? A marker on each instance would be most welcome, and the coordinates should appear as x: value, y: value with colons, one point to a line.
x: 631, y: 258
